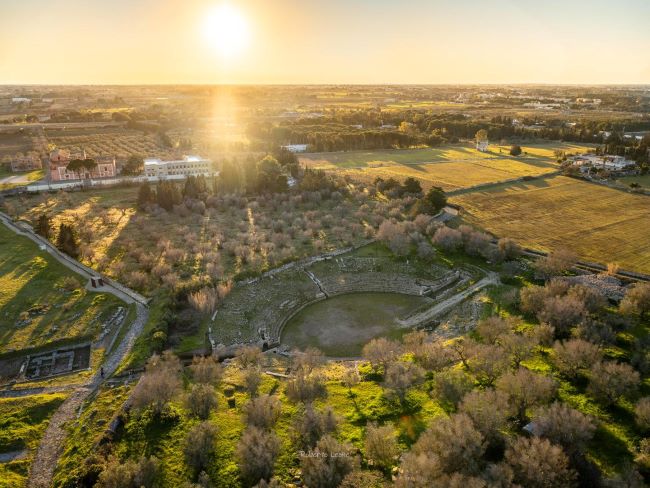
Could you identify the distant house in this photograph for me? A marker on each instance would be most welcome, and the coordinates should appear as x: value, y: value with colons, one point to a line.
x: 482, y: 145
x: 587, y: 163
x: 60, y: 159
x: 20, y: 100
x: 29, y: 162
x: 188, y: 166
x: 296, y: 148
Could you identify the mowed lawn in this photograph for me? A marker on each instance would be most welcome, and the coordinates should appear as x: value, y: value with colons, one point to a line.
x: 451, y: 167
x: 34, y: 307
x: 599, y: 223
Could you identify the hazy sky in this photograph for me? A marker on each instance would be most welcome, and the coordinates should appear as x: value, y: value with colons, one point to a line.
x: 327, y: 41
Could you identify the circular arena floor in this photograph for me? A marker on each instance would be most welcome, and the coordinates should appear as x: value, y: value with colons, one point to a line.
x: 341, y: 325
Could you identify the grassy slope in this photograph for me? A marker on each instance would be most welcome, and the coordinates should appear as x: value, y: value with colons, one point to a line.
x: 599, y: 223
x: 22, y: 423
x: 30, y: 278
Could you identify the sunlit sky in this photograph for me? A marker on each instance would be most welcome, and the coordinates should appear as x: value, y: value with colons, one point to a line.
x: 324, y: 41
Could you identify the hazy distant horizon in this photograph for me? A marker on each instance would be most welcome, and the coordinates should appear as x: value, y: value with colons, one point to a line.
x: 256, y: 42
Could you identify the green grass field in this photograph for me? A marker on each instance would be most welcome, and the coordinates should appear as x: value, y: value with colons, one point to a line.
x: 599, y: 223
x: 34, y: 309
x: 22, y: 423
x: 642, y: 180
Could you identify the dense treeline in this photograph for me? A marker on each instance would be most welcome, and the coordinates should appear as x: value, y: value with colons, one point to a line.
x: 374, y: 129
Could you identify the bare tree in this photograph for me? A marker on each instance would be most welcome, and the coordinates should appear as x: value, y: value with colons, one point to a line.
x: 310, y: 425
x: 328, y: 464
x: 564, y: 426
x: 509, y: 248
x: 574, y: 356
x: 201, y: 400
x: 487, y: 362
x: 381, y: 351
x: 309, y: 360
x: 537, y: 463
x: 609, y: 381
x: 556, y: 263
x: 455, y: 442
x: 400, y: 376
x: 562, y: 313
x: 526, y: 389
x: 592, y: 298
x: 252, y: 376
x: 637, y: 300
x: 200, y: 444
x: 447, y: 238
x: 263, y: 411
x: 518, y: 347
x: 381, y: 445
x: 451, y: 385
x: 364, y: 479
x: 642, y: 413
x: 305, y: 388
x: 492, y: 328
x: 489, y: 410
x: 249, y: 356
x: 206, y: 370
x: 257, y: 451
x: 159, y: 384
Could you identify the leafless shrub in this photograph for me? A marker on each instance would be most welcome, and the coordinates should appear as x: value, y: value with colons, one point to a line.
x: 200, y: 444
x: 381, y: 445
x: 201, y: 400
x: 206, y: 370
x: 330, y: 463
x: 256, y: 453
x: 609, y: 381
x: 575, y: 356
x: 159, y: 384
x: 539, y: 464
x: 564, y: 425
x: 311, y: 425
x: 489, y: 410
x: 263, y: 411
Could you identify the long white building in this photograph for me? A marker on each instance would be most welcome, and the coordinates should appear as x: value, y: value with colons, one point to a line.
x: 188, y: 166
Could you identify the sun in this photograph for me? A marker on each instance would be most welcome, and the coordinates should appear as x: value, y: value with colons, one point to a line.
x: 226, y: 30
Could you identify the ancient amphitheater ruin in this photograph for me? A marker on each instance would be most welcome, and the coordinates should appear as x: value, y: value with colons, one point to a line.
x: 257, y: 310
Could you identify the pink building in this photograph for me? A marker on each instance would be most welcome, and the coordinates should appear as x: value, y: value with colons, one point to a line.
x: 60, y: 158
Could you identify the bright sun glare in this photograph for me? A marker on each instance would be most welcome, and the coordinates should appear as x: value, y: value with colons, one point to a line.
x: 226, y: 30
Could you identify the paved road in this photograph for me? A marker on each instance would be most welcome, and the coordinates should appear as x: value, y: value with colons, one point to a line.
x: 123, y: 293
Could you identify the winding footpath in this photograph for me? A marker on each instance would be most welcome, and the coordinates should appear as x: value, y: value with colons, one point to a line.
x: 52, y: 442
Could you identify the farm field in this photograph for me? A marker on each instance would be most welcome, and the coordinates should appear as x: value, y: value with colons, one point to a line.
x: 541, y: 153
x: 35, y: 309
x: 599, y: 223
x: 22, y: 423
x: 451, y: 168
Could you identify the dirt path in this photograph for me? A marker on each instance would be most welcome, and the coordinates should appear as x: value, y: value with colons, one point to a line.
x: 441, y: 307
x: 51, y: 445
